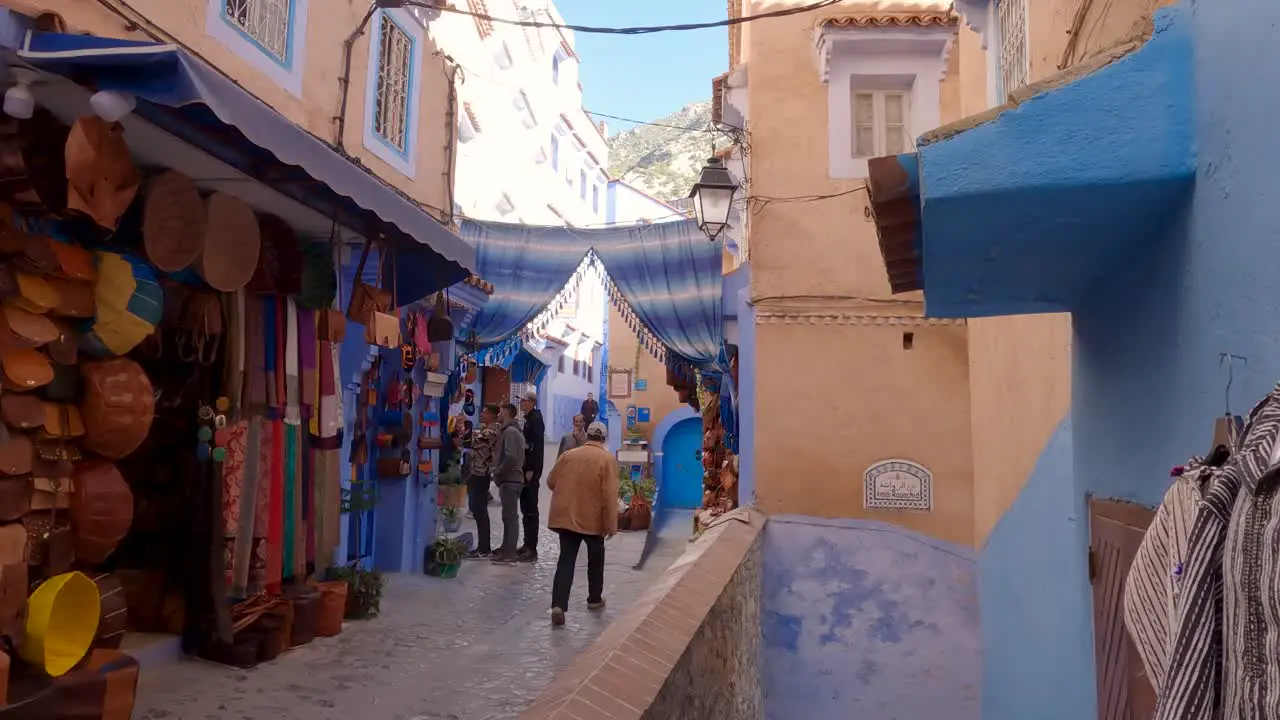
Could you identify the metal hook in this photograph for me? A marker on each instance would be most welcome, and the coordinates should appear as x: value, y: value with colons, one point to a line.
x: 1229, y: 359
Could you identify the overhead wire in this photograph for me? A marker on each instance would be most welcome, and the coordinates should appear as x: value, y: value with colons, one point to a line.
x: 640, y: 30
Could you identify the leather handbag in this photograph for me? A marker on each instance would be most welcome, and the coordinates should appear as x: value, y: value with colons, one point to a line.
x: 35, y: 294
x: 366, y: 300
x: 331, y: 326
x: 17, y: 455
x: 50, y: 546
x: 102, y: 179
x: 74, y: 262
x: 64, y: 349
x: 118, y: 407
x: 232, y: 243
x: 24, y: 412
x: 75, y: 298
x: 319, y: 279
x: 15, y: 497
x: 62, y: 421
x: 383, y: 330
x: 439, y: 326
x: 101, y: 510
x: 32, y: 330
x: 25, y: 368
x: 394, y: 466
x: 37, y: 255
x: 174, y: 223
x: 50, y: 493
x: 33, y: 173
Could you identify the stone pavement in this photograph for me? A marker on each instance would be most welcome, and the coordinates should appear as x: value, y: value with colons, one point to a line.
x: 479, y: 647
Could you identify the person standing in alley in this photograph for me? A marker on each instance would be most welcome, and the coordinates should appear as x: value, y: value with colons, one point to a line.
x: 577, y: 437
x: 484, y: 450
x: 590, y: 410
x: 508, y: 473
x: 584, y: 510
x: 535, y: 437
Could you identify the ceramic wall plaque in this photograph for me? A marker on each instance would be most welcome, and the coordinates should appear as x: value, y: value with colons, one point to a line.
x: 898, y: 485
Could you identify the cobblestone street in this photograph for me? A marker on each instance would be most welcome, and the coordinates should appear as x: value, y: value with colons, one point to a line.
x: 480, y: 647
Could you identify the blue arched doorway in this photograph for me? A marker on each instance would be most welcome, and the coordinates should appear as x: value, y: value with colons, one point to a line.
x: 681, y: 476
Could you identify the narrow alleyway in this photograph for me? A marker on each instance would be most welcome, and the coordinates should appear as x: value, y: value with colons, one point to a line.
x: 480, y: 647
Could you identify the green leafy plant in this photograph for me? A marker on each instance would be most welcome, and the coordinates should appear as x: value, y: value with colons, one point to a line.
x: 450, y: 474
x: 364, y: 589
x: 645, y: 486
x: 446, y: 551
x: 451, y: 515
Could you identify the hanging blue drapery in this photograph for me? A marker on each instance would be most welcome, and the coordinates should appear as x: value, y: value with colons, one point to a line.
x: 527, y: 368
x: 665, y: 279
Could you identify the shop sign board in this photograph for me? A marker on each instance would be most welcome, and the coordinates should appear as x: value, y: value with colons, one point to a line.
x: 897, y: 484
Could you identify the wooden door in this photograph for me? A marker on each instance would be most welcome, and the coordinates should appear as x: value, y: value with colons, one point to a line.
x: 496, y: 388
x: 1115, y: 531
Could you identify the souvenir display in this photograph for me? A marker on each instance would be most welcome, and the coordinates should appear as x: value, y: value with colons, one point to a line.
x: 173, y: 222
x: 229, y: 255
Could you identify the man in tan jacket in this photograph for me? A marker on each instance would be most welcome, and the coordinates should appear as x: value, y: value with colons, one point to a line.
x: 584, y: 509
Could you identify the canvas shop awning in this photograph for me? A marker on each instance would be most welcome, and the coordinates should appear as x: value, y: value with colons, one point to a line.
x: 191, y: 118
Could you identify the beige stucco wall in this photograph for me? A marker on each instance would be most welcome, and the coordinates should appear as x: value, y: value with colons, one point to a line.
x: 330, y: 22
x: 1104, y: 24
x: 659, y: 397
x: 836, y: 394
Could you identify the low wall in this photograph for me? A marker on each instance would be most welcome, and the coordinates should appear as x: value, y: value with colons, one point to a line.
x: 689, y: 648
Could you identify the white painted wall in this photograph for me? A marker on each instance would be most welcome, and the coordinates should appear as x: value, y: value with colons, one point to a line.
x: 628, y: 205
x: 521, y: 85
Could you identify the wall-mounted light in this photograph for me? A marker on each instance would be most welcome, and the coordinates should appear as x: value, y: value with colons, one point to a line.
x: 713, y: 198
x: 18, y: 101
x: 111, y: 105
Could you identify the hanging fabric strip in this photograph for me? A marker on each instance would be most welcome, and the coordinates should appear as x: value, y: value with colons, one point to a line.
x: 255, y: 357
x: 233, y: 472
x: 275, y: 528
x: 248, y: 507
x: 307, y: 352
x: 260, y: 443
x: 290, y: 498
x: 292, y: 387
x: 308, y: 504
x: 299, y: 526
x: 271, y: 336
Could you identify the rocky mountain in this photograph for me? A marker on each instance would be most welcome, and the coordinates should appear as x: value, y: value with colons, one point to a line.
x: 665, y: 161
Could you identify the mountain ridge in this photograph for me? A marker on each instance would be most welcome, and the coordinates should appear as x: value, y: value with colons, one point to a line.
x: 664, y: 158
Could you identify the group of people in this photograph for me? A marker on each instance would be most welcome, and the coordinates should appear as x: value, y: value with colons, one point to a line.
x: 583, y: 484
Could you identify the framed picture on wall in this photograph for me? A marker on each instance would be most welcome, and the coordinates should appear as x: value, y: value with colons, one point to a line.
x: 619, y: 384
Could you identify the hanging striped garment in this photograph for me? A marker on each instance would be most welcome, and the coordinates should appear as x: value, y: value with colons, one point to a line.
x: 1152, y: 586
x: 1251, y: 570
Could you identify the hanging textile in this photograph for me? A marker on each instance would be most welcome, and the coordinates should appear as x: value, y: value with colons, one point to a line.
x: 527, y: 368
x: 665, y: 279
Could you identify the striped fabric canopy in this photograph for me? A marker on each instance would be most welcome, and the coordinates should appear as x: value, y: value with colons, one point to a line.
x: 667, y: 274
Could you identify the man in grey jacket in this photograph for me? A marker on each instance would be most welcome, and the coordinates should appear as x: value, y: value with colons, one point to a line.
x: 508, y: 473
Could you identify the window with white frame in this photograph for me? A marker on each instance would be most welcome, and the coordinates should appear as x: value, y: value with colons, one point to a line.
x: 879, y: 123
x: 521, y: 102
x: 467, y: 129
x: 1014, y: 58
x: 391, y: 104
x: 505, y: 206
x: 502, y: 56
x: 582, y: 184
x: 555, y: 151
x: 265, y: 22
x: 595, y: 198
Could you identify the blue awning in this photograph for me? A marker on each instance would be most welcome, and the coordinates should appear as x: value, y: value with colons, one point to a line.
x: 194, y: 102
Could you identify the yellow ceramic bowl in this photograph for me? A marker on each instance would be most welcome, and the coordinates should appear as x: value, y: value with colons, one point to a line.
x: 62, y: 620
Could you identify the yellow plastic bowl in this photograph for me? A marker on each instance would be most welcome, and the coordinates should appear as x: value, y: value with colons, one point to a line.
x: 62, y: 620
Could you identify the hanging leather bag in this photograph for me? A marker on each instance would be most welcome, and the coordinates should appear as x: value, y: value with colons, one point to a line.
x: 366, y: 300
x: 15, y: 497
x: 173, y: 222
x: 22, y: 412
x: 331, y: 326
x: 232, y: 243
x: 280, y: 261
x: 200, y: 329
x: 102, y: 179
x: 440, y: 327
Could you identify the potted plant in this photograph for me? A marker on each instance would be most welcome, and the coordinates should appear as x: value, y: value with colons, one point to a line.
x: 444, y: 557
x: 364, y: 589
x: 451, y: 518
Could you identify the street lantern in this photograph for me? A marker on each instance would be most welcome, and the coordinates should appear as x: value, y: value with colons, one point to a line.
x: 713, y: 198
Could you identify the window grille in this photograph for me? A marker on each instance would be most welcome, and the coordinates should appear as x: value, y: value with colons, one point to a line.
x: 1014, y: 60
x: 391, y: 109
x: 265, y: 21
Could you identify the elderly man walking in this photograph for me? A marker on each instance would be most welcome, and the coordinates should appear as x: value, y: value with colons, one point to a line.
x: 584, y: 510
x: 575, y: 438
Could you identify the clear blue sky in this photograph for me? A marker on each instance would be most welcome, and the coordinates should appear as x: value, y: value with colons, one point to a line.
x: 647, y: 76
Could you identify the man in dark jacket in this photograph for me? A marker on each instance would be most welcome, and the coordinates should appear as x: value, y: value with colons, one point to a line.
x: 508, y: 473
x: 535, y: 432
x: 590, y: 409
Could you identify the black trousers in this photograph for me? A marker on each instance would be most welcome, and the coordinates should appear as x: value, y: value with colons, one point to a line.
x: 478, y: 504
x: 529, y: 511
x: 509, y: 492
x: 569, y: 543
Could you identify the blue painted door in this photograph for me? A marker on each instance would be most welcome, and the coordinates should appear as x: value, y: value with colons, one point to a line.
x: 681, y: 481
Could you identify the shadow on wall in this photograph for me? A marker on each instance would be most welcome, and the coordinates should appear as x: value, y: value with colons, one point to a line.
x: 865, y: 619
x: 1034, y: 589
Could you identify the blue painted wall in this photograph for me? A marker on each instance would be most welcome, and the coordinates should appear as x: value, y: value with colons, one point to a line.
x: 867, y: 620
x: 746, y: 398
x: 1033, y: 588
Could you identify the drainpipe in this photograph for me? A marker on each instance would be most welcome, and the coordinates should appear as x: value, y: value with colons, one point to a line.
x: 451, y: 72
x: 344, y: 82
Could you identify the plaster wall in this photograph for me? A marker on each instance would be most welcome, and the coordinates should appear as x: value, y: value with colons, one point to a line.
x: 834, y: 399
x: 326, y: 26
x: 658, y: 396
x: 1050, y: 22
x: 865, y: 619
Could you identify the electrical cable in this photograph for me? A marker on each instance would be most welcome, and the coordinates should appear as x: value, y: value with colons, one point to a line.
x: 642, y: 30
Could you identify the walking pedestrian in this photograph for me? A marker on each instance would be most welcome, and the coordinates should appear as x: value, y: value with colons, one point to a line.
x: 484, y: 448
x: 590, y: 410
x: 535, y: 435
x: 509, y: 476
x: 584, y: 510
x: 577, y: 437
